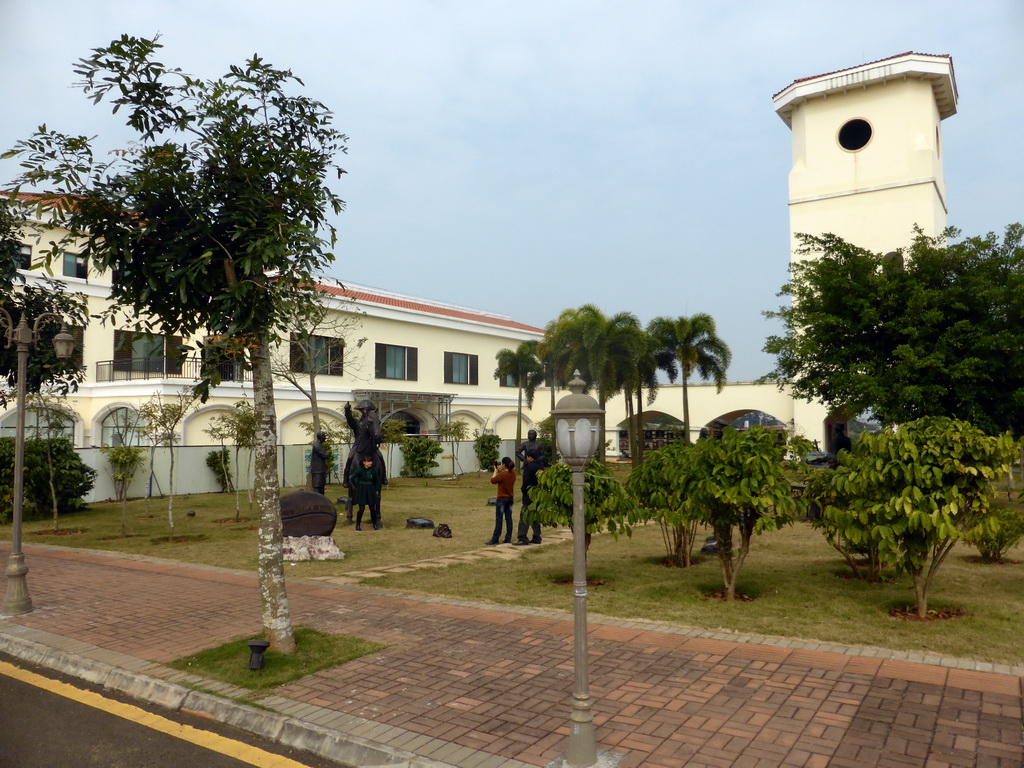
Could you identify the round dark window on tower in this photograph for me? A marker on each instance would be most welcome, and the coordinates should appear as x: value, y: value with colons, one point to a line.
x: 855, y: 135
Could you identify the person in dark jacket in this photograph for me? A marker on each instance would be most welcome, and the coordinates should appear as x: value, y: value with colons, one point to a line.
x: 366, y: 482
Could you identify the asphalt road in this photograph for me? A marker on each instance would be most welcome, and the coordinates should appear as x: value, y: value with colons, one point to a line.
x: 40, y: 728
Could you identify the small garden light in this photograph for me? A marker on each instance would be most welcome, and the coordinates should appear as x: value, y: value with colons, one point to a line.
x: 257, y: 647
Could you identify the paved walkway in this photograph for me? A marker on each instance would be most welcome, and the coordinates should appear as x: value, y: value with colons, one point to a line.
x: 476, y: 686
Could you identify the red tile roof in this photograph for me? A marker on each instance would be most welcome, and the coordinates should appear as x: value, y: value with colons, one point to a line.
x: 865, y: 64
x: 422, y: 305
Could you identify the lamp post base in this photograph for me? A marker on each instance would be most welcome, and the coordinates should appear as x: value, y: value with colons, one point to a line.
x: 604, y: 760
x: 17, y: 600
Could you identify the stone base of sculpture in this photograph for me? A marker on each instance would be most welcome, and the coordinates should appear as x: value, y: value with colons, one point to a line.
x: 311, y: 548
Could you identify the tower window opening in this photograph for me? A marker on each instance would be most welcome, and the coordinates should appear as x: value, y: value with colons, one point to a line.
x: 855, y: 135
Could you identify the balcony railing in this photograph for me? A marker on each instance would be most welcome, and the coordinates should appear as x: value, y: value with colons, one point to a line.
x: 141, y: 368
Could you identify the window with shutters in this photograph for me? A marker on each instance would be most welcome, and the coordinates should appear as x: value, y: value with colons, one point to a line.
x: 317, y: 354
x: 461, y: 368
x: 395, y: 362
x: 508, y: 380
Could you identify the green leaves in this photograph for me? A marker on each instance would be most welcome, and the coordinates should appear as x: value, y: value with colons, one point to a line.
x: 907, y: 495
x: 943, y: 336
x: 606, y: 505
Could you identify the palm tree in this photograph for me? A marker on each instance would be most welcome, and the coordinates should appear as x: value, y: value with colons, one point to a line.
x: 692, y: 342
x: 649, y: 359
x: 604, y: 349
x: 521, y: 366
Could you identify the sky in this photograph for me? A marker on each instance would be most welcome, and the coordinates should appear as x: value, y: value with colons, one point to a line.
x: 532, y: 156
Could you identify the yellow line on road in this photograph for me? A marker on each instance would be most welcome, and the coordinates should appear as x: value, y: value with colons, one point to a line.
x: 205, y: 739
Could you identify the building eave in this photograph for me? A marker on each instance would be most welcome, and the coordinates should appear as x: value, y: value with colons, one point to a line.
x: 936, y: 69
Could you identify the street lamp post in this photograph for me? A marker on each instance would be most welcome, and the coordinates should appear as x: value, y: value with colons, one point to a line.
x: 577, y: 435
x: 17, y: 600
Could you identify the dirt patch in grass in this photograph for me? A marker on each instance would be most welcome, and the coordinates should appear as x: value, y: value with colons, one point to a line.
x: 590, y: 582
x: 188, y: 539
x: 70, y: 532
x: 909, y: 613
x: 737, y: 598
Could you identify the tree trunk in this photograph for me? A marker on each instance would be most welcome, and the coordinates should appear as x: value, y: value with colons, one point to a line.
x: 170, y: 487
x: 920, y: 593
x: 53, y: 485
x: 686, y: 411
x: 277, y: 623
x: 640, y: 425
x: 519, y: 426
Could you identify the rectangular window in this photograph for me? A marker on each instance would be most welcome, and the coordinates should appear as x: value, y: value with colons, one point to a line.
x: 25, y: 261
x: 460, y: 368
x: 319, y: 354
x: 75, y: 265
x: 395, y: 362
x: 147, y: 352
x: 508, y: 380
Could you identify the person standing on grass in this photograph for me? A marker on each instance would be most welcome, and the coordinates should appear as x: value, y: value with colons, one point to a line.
x: 366, y: 482
x: 504, y: 476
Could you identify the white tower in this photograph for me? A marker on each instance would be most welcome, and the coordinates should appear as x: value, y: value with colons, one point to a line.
x: 867, y: 161
x: 867, y: 150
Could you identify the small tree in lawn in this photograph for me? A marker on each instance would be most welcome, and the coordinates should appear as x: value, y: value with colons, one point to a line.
x: 53, y: 417
x: 218, y: 431
x: 917, y: 490
x: 163, y: 419
x: 485, y: 446
x: 738, y: 485
x: 239, y: 426
x: 392, y: 433
x: 419, y: 454
x: 124, y: 461
x: 607, y: 506
x: 454, y: 432
x: 659, y: 486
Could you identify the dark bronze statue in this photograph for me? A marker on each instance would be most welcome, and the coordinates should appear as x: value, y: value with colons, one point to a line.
x: 367, y: 439
x: 318, y: 464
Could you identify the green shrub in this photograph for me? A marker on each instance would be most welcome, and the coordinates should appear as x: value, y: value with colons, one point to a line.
x: 125, y: 461
x: 419, y: 453
x: 486, y: 449
x: 218, y: 462
x: 994, y: 541
x: 72, y: 479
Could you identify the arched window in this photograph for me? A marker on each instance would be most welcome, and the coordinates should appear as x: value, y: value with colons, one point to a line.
x: 39, y: 425
x: 123, y: 426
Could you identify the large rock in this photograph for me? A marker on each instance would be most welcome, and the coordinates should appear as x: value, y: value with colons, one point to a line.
x: 311, y: 548
x: 304, y: 513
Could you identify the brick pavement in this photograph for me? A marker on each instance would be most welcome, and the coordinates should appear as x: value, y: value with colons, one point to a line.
x: 494, y: 682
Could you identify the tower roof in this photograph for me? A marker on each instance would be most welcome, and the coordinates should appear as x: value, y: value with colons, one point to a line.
x: 938, y: 69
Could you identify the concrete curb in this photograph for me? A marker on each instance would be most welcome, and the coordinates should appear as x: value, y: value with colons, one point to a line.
x: 343, y: 748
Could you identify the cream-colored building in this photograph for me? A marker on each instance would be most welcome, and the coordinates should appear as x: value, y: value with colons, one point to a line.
x: 419, y: 361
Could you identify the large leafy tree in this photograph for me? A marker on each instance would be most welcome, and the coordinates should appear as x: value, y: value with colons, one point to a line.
x: 694, y: 344
x: 935, y: 331
x: 215, y: 220
x: 522, y: 366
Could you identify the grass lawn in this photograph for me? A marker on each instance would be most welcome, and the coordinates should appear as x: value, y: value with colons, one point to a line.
x: 798, y: 583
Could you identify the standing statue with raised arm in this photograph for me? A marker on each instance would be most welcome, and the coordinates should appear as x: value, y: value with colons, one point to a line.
x: 367, y: 439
